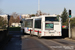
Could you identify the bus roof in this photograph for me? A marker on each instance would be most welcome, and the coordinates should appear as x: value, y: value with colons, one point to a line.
x: 50, y: 15
x: 41, y: 16
x: 45, y: 16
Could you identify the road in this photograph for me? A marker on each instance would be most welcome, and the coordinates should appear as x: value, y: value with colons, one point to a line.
x: 25, y: 42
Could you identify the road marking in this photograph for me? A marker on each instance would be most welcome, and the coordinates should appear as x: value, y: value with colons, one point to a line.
x: 63, y: 40
x: 44, y: 43
x: 61, y: 44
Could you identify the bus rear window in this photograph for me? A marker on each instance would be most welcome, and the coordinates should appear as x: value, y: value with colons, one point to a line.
x: 51, y: 19
x: 49, y: 26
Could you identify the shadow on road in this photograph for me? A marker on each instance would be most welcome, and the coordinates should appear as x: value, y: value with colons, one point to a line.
x: 15, y: 42
x: 48, y: 37
x: 53, y: 37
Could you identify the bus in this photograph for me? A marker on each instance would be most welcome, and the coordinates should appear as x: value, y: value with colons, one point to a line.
x: 45, y: 25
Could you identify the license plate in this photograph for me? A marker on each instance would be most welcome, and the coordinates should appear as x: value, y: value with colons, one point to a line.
x: 51, y: 32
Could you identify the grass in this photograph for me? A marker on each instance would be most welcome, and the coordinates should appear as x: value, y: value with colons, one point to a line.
x: 14, y: 28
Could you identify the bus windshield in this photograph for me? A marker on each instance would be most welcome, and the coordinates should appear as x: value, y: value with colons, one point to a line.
x: 51, y: 18
x: 49, y: 26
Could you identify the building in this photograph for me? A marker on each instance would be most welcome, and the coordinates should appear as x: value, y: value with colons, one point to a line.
x: 15, y: 25
x: 25, y: 16
x: 5, y: 17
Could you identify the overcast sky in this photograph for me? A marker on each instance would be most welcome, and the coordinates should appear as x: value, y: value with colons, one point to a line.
x: 31, y: 6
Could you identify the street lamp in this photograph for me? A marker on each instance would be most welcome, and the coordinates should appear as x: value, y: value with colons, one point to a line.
x: 38, y: 7
x: 8, y: 22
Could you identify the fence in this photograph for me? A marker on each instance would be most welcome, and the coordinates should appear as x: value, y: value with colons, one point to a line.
x: 64, y: 32
x: 73, y: 33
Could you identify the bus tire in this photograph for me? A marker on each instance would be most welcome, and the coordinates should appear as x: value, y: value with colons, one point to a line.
x: 23, y: 32
x: 39, y: 35
x: 30, y: 33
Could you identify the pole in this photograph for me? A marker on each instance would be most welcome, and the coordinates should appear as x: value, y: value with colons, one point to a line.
x: 8, y: 23
x: 8, y: 26
x: 38, y: 6
x: 69, y: 29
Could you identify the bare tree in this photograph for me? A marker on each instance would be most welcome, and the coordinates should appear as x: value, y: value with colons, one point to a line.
x: 14, y: 14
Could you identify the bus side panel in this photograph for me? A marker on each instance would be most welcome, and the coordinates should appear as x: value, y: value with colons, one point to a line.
x: 36, y: 32
x: 27, y: 30
x: 43, y: 27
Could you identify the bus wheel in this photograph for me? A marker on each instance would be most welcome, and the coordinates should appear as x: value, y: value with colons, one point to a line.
x: 30, y: 33
x: 39, y: 35
x: 23, y: 32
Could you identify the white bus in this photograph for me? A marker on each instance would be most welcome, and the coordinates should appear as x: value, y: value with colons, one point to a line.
x: 45, y: 25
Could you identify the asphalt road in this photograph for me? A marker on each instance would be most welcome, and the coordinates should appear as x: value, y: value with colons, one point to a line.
x: 29, y: 43
x: 57, y: 43
x: 25, y: 42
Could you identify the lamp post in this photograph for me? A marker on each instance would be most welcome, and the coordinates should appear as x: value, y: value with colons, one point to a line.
x: 38, y: 7
x: 8, y: 23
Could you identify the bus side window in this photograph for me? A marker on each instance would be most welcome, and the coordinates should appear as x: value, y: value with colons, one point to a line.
x: 38, y: 24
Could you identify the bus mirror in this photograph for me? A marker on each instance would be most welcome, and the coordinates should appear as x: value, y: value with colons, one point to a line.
x: 21, y: 21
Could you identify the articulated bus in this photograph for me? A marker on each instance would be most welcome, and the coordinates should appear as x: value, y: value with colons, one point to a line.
x: 45, y: 25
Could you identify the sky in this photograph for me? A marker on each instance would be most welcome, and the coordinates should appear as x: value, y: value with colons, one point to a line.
x: 31, y: 6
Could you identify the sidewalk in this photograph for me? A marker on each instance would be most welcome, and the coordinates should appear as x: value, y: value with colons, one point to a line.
x: 67, y: 38
x: 4, y: 42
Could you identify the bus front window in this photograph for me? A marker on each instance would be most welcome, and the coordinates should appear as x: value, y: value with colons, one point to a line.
x: 49, y: 26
